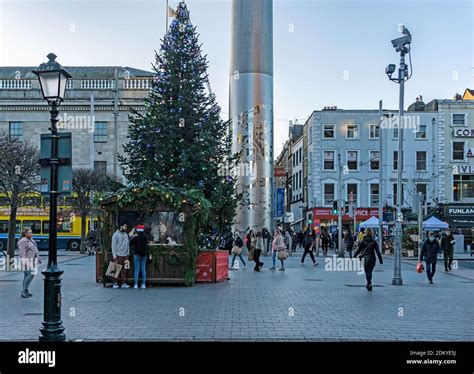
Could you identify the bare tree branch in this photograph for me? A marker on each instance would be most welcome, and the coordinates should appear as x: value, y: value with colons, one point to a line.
x: 19, y: 175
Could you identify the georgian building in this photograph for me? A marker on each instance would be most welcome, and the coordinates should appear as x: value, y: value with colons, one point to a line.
x: 95, y: 110
x: 295, y: 186
x: 455, y: 179
x: 352, y: 138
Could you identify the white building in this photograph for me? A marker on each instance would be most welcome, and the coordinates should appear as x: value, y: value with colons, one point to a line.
x: 455, y: 179
x: 353, y: 136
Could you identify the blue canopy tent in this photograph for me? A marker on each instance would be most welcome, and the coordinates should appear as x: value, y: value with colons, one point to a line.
x: 372, y: 223
x: 434, y: 224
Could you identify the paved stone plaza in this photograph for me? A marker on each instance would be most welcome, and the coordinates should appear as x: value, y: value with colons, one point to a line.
x: 301, y: 304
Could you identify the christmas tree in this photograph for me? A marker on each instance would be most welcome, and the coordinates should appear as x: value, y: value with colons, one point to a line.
x: 180, y: 140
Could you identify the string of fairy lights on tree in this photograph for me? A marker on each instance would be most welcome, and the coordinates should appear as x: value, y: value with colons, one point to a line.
x: 180, y: 139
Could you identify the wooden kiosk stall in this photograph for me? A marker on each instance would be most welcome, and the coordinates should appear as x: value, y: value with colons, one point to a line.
x: 172, y: 219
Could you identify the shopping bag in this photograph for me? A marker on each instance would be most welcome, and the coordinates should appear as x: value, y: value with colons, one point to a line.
x: 419, y: 267
x: 236, y: 250
x: 282, y: 255
x: 113, y: 270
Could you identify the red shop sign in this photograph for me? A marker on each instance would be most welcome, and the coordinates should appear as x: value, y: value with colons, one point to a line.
x: 362, y: 214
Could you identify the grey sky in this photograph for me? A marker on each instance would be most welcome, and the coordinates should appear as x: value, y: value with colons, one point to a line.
x: 325, y: 52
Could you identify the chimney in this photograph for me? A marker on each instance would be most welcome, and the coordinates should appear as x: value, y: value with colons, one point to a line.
x: 421, y: 98
x: 417, y: 99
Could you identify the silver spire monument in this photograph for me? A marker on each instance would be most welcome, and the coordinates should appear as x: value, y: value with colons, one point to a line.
x: 251, y: 109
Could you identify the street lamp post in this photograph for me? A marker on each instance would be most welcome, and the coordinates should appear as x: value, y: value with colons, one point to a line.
x: 401, y: 45
x: 53, y: 79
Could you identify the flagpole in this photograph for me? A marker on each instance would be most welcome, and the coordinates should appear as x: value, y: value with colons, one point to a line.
x: 166, y: 13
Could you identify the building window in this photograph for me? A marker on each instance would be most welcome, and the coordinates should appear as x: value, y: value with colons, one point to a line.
x: 420, y: 161
x: 100, y: 167
x: 421, y: 187
x: 458, y: 151
x: 374, y: 132
x: 352, y: 193
x: 301, y: 155
x: 310, y: 135
x: 374, y: 194
x: 328, y: 160
x: 352, y: 158
x: 459, y: 119
x: 329, y: 195
x: 395, y: 195
x: 100, y: 132
x: 463, y: 187
x: 16, y: 131
x: 374, y: 160
x: 352, y: 132
x: 328, y: 132
x: 395, y: 133
x: 421, y: 134
x: 395, y: 160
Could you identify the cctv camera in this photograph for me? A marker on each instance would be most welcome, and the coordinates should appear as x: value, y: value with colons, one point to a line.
x: 399, y: 42
x: 390, y: 69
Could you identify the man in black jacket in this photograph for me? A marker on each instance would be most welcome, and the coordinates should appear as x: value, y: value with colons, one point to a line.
x: 447, y: 243
x: 367, y: 249
x: 430, y: 251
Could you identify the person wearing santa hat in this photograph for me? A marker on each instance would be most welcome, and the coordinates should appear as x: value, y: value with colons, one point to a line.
x: 139, y: 245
